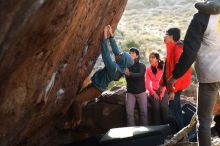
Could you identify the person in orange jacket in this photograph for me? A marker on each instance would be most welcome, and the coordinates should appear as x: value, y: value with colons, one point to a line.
x: 174, y: 49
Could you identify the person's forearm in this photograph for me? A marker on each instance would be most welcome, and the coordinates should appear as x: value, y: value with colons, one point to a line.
x: 114, y: 46
x: 136, y: 75
x: 148, y: 85
x: 106, y: 55
x: 152, y: 92
x: 192, y: 43
x: 139, y: 74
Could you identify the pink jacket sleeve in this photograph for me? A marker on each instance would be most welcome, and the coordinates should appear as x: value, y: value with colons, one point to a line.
x: 162, y: 92
x: 147, y: 82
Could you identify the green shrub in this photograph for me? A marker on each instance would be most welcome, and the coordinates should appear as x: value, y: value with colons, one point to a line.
x: 131, y: 43
x: 121, y: 82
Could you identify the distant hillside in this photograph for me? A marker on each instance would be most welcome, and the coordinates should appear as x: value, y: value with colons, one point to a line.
x: 145, y: 21
x: 143, y: 4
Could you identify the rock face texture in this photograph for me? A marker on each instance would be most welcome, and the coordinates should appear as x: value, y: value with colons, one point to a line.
x: 47, y: 49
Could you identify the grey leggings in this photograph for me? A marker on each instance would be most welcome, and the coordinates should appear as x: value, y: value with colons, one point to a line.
x: 208, y: 93
x: 130, y: 106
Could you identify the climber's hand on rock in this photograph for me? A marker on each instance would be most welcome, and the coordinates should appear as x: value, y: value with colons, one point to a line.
x: 105, y: 32
x: 110, y: 31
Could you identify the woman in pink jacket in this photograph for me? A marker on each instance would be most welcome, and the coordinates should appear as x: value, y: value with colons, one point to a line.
x: 159, y: 101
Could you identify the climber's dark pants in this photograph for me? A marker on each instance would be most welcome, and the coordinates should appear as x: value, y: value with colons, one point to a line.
x: 87, y: 94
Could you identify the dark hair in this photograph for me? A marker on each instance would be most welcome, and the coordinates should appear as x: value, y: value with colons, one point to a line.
x: 175, y: 32
x: 133, y: 49
x: 160, y: 62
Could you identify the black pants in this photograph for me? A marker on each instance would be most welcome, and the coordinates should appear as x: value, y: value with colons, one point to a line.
x: 159, y: 110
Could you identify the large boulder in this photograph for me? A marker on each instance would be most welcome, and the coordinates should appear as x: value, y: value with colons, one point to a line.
x: 47, y: 49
